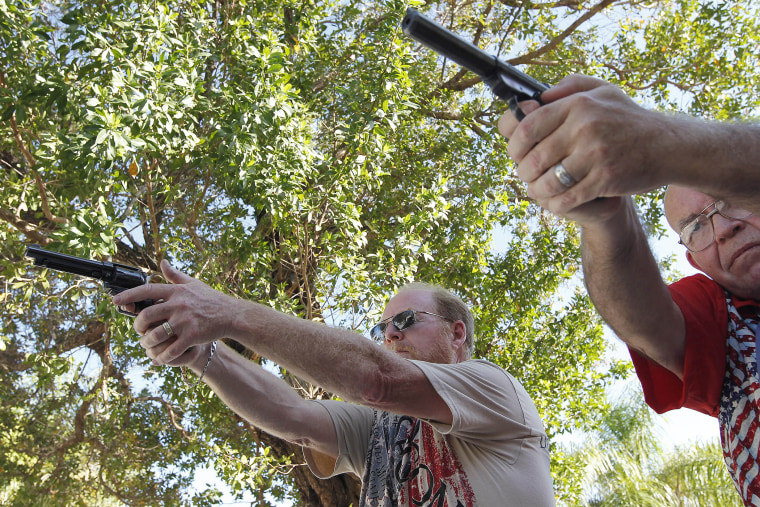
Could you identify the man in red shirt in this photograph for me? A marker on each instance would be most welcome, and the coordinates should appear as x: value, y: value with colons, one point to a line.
x: 694, y: 342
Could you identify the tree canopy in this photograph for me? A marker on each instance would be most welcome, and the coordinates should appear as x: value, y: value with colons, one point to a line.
x: 308, y: 156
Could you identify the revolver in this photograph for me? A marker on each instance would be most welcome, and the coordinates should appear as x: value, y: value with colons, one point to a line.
x: 116, y: 278
x: 505, y: 81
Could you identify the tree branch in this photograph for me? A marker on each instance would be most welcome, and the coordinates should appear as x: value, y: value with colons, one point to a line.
x: 30, y: 230
x: 529, y: 57
x: 32, y: 164
x: 153, y: 216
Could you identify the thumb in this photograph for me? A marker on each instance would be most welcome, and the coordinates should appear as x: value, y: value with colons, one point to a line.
x: 174, y: 275
x: 575, y: 83
x: 599, y: 209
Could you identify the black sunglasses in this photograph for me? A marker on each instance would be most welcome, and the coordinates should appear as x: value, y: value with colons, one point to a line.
x: 402, y: 320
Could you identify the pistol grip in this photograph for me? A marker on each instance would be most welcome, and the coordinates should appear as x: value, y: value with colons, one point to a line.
x: 514, y: 106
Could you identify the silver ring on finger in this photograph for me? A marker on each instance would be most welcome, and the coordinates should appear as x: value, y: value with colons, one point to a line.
x: 168, y: 328
x: 564, y: 177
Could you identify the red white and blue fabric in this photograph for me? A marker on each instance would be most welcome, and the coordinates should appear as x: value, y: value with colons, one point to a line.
x: 739, y: 412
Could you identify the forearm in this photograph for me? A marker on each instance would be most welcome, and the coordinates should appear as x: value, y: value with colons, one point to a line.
x: 721, y: 159
x: 624, y: 282
x: 266, y: 401
x: 338, y: 360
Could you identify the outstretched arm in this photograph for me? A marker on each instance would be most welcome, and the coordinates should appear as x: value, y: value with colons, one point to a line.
x: 614, y: 147
x: 264, y: 400
x: 338, y: 360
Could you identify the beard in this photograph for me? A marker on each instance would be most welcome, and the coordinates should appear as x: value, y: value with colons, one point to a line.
x: 439, y: 352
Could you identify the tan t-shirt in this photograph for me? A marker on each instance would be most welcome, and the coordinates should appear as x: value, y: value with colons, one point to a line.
x: 495, y: 453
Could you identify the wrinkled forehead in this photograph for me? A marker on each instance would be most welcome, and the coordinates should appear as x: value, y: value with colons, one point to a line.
x: 683, y: 204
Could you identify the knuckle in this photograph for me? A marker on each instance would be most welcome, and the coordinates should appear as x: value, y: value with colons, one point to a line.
x: 582, y: 100
x: 565, y: 202
x: 604, y: 173
x: 507, y: 124
x: 536, y: 164
x: 589, y: 128
x: 524, y: 173
x: 528, y: 127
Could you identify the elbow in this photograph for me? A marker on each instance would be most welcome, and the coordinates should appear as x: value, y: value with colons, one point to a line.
x: 377, y: 390
x: 302, y: 441
x: 311, y: 426
x: 384, y: 381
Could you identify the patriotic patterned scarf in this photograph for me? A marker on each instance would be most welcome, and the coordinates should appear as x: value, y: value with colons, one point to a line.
x: 739, y: 413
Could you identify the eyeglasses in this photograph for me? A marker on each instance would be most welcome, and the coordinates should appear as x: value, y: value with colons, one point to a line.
x: 699, y: 233
x: 402, y: 320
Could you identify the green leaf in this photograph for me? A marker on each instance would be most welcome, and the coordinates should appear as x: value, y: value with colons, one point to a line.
x: 8, y: 112
x: 102, y: 135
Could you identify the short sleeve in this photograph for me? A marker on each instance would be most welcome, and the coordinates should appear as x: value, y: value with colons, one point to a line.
x: 703, y: 305
x: 353, y: 428
x: 486, y: 402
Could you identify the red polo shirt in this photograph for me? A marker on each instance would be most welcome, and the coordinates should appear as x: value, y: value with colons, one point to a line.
x: 703, y: 304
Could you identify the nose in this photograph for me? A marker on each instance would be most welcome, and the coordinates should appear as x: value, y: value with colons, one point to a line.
x: 392, y: 332
x: 726, y: 228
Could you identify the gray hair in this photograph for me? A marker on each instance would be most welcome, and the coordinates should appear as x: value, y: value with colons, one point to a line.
x: 451, y: 306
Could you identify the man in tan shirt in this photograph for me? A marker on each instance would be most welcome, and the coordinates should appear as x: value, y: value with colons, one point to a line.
x: 422, y: 423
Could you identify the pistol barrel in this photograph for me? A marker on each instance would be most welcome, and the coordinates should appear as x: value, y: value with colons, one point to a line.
x: 505, y: 80
x: 444, y: 42
x: 116, y: 278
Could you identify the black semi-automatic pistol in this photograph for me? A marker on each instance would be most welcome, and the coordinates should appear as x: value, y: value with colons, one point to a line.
x: 116, y: 278
x: 505, y: 81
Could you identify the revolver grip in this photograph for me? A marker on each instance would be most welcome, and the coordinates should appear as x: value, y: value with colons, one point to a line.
x: 139, y: 305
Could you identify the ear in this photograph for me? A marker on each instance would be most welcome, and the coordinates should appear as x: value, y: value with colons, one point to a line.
x: 459, y: 334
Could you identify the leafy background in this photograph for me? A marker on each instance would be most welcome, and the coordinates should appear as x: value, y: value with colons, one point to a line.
x: 308, y: 156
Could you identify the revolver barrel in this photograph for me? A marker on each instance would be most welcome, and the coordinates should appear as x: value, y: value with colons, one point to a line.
x: 112, y: 273
x: 116, y: 278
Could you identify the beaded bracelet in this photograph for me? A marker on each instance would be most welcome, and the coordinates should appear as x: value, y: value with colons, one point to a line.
x: 203, y: 372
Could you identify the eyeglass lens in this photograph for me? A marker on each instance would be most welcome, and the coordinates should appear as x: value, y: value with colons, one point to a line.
x: 699, y: 233
x: 401, y: 320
